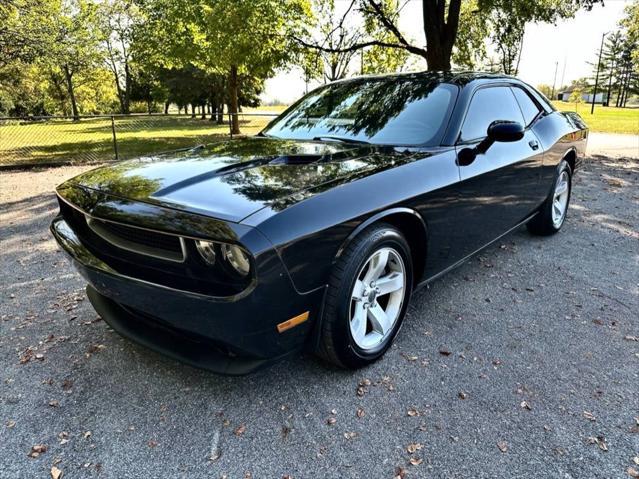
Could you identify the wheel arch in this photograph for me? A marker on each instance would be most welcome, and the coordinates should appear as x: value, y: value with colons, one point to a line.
x: 571, y: 158
x: 411, y: 225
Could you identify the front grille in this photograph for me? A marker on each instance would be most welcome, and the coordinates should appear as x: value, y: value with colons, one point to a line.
x: 150, y: 255
x: 137, y: 240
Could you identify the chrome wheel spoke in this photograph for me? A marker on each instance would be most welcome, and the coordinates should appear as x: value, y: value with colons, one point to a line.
x: 561, y: 188
x: 377, y: 266
x: 358, y: 290
x: 379, y: 319
x: 358, y: 323
x: 389, y: 283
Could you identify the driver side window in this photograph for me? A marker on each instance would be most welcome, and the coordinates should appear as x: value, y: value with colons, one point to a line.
x: 487, y: 105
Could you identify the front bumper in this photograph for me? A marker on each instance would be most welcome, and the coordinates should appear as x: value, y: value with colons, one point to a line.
x: 226, y: 335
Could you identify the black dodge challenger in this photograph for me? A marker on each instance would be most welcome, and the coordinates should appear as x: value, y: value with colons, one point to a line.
x: 314, y: 233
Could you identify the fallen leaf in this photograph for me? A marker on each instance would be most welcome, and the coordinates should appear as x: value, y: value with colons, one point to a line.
x: 11, y: 424
x: 600, y: 441
x: 631, y: 338
x: 331, y: 420
x: 415, y: 461
x: 56, y: 473
x: 632, y: 472
x: 240, y: 430
x: 152, y: 443
x: 590, y: 416
x: 444, y: 351
x: 37, y: 450
x: 360, y: 412
x: 409, y: 357
x: 400, y: 473
x: 503, y: 446
x: 413, y: 447
x: 54, y: 403
x: 87, y: 434
x: 462, y: 395
x: 525, y: 405
x: 350, y: 435
x: 412, y: 412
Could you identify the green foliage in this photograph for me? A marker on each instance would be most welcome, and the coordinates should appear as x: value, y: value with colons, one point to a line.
x: 378, y: 59
x: 470, y: 46
x: 576, y: 96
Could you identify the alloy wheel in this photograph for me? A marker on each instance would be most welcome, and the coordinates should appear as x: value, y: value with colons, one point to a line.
x: 377, y: 298
x: 560, y: 199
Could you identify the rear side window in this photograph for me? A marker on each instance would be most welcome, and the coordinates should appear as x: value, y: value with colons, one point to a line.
x: 528, y: 107
x: 486, y: 106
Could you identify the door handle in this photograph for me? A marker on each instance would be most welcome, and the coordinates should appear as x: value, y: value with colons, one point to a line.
x: 534, y: 144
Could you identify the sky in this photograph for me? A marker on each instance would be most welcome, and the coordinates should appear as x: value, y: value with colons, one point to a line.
x: 569, y: 45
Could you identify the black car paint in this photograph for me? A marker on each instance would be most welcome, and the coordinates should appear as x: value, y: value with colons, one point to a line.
x: 295, y: 205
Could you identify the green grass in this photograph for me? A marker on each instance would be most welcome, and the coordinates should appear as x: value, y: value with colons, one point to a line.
x: 605, y: 119
x: 91, y: 140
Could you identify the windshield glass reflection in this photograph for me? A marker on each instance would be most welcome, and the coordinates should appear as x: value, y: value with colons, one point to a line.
x: 389, y: 111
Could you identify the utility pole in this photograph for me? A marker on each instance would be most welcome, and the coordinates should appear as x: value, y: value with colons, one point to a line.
x: 554, y: 81
x: 594, y: 94
x: 563, y: 73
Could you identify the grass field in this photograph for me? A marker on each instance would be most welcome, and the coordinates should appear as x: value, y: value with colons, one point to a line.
x: 605, y: 119
x: 91, y: 140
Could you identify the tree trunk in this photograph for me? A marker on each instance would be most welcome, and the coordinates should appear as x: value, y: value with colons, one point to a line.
x: 192, y: 110
x: 71, y: 90
x: 126, y: 104
x: 220, y: 114
x: 203, y: 111
x: 233, y: 103
x: 166, y: 107
x: 441, y: 31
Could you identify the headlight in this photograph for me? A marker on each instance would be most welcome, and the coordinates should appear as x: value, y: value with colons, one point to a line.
x: 206, y: 250
x: 237, y: 258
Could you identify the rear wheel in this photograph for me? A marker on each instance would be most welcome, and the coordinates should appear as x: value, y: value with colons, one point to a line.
x: 367, y: 298
x: 552, y: 213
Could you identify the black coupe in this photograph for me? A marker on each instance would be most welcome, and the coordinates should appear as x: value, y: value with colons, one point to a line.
x: 314, y: 233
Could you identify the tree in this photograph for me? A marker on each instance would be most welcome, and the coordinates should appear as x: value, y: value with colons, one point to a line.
x: 118, y: 21
x: 76, y: 44
x: 26, y: 29
x: 441, y: 24
x: 377, y: 59
x: 470, y: 46
x: 235, y: 38
x: 576, y: 96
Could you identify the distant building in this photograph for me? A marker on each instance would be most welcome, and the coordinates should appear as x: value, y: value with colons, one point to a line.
x: 586, y: 97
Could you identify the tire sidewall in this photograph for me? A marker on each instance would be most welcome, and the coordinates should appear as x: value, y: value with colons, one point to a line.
x: 385, y: 237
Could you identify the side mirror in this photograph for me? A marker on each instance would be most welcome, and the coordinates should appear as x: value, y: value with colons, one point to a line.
x: 500, y: 130
x: 505, y: 131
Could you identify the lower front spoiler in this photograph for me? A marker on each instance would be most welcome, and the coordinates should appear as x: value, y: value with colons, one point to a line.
x: 196, y: 352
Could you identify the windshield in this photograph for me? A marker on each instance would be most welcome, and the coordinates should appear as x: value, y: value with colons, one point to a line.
x: 389, y: 111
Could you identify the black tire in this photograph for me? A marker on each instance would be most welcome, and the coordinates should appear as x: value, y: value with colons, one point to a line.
x: 542, y: 224
x: 336, y: 343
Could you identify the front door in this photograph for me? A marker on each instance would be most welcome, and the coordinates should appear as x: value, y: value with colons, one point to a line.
x: 500, y: 188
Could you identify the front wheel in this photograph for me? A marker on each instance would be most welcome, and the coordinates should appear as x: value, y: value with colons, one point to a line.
x: 367, y: 298
x: 552, y: 213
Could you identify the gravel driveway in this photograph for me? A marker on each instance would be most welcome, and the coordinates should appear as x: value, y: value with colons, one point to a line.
x: 522, y: 363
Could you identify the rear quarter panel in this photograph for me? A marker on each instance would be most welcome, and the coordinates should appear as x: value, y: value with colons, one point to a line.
x: 559, y: 134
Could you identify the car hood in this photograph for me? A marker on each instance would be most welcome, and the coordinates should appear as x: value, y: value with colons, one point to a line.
x: 231, y: 180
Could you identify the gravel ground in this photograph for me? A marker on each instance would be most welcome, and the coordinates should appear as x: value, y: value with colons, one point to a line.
x: 522, y: 363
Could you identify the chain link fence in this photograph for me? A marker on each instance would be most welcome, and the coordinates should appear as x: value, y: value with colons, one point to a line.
x: 96, y: 139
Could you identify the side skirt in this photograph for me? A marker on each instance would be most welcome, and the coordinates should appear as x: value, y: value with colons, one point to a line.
x: 436, y: 276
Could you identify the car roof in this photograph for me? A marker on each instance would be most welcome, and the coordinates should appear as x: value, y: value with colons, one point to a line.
x: 457, y: 77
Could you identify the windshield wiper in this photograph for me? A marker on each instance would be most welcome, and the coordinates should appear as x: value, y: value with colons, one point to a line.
x: 343, y: 140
